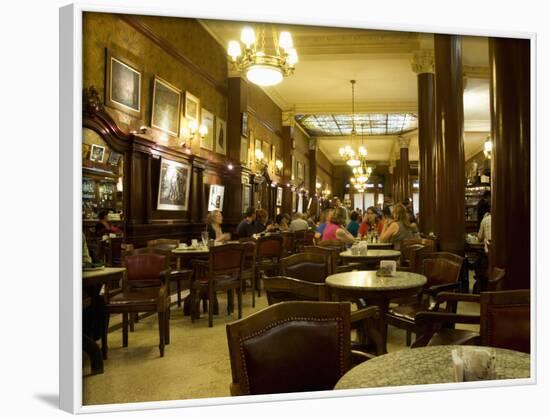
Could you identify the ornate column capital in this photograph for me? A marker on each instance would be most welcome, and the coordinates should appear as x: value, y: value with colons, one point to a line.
x: 288, y: 119
x: 403, y: 142
x: 423, y: 61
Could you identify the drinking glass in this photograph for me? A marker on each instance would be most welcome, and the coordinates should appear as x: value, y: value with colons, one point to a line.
x: 204, y: 237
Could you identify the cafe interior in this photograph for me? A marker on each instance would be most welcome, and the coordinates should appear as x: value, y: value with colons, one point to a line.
x: 273, y: 208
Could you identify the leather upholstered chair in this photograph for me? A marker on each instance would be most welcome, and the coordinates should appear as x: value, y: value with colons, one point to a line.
x: 443, y: 271
x: 289, y: 243
x: 269, y: 250
x: 222, y: 272
x: 306, y: 266
x: 295, y: 346
x: 145, y: 288
x: 410, y: 245
x: 177, y: 273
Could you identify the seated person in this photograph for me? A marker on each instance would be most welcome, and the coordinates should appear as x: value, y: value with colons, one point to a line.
x: 353, y: 225
x: 282, y: 221
x: 261, y: 224
x: 103, y: 227
x: 298, y: 223
x: 335, y: 230
x: 246, y: 227
x: 484, y: 234
x: 214, y: 227
x: 324, y: 219
x: 398, y: 227
x: 371, y: 222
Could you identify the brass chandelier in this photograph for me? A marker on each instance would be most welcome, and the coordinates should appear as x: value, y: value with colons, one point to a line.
x: 361, y: 173
x: 259, y: 67
x: 352, y: 158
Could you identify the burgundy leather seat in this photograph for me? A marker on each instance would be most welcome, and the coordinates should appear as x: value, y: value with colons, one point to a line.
x: 306, y: 266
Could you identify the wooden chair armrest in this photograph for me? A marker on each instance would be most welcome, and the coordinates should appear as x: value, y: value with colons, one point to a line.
x: 358, y: 357
x: 456, y: 296
x: 438, y: 317
x: 436, y: 289
x: 372, y: 312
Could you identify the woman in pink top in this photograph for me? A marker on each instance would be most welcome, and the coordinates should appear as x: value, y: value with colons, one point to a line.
x: 335, y: 230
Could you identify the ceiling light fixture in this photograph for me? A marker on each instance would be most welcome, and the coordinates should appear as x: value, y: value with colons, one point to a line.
x: 259, y: 67
x: 346, y: 152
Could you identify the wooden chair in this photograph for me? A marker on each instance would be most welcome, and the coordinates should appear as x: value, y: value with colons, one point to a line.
x: 304, y: 238
x: 296, y: 346
x: 289, y: 243
x: 249, y: 267
x: 222, y: 272
x: 336, y: 247
x: 438, y: 326
x: 331, y: 256
x: 306, y: 266
x: 177, y: 273
x: 145, y: 288
x: 409, y: 245
x: 269, y: 250
x: 443, y: 271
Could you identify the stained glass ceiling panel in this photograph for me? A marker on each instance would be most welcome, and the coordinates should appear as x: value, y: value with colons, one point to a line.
x: 371, y: 123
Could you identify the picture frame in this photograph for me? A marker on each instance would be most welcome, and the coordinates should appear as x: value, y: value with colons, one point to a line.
x: 221, y: 136
x: 174, y: 184
x: 266, y: 149
x: 192, y: 107
x: 279, y: 200
x: 257, y: 145
x: 207, y: 119
x: 165, y: 107
x: 244, y: 150
x: 215, y: 199
x: 123, y: 84
x: 244, y: 124
x: 85, y: 150
x: 114, y: 158
x: 247, y: 188
x: 97, y: 153
x: 300, y: 170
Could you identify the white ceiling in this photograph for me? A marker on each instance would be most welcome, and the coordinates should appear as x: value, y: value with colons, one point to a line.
x: 380, y: 62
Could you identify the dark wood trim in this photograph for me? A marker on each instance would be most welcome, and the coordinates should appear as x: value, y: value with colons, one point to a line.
x: 170, y: 49
x: 322, y: 168
x: 264, y: 122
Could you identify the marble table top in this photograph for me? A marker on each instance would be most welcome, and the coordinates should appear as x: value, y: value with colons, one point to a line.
x: 190, y: 250
x: 368, y: 280
x: 378, y: 244
x: 426, y: 365
x: 372, y: 254
x: 102, y: 273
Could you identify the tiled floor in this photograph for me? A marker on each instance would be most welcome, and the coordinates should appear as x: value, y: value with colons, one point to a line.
x: 195, y: 365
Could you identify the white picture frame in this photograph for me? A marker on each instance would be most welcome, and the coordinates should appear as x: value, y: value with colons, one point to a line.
x: 97, y: 153
x: 221, y: 136
x: 215, y: 197
x: 174, y: 183
x: 166, y: 107
x: 207, y: 119
x: 279, y: 201
x: 192, y: 107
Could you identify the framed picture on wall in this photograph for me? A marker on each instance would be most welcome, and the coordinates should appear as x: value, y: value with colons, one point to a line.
x: 114, y: 158
x: 207, y: 119
x: 246, y: 196
x: 85, y: 150
x: 97, y: 153
x: 257, y: 145
x: 300, y: 170
x: 174, y: 183
x: 192, y: 107
x: 123, y: 84
x: 279, y: 201
x: 215, y: 199
x: 221, y: 136
x: 165, y: 109
x: 244, y: 124
x: 244, y: 150
x: 273, y: 156
x: 266, y: 149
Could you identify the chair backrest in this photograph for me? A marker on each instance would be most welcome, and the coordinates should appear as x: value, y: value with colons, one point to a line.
x: 417, y: 253
x: 310, y: 267
x: 409, y: 245
x: 226, y: 259
x: 295, y: 346
x: 337, y: 244
x: 331, y: 254
x: 269, y: 247
x: 441, y: 268
x: 304, y: 238
x: 282, y: 288
x: 505, y: 320
x: 289, y: 242
x: 249, y: 254
x: 145, y: 266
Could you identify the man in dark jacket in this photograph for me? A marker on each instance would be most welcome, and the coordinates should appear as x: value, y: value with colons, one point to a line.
x: 246, y: 227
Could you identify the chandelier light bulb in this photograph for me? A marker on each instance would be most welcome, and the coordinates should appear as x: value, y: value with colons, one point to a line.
x: 362, y: 151
x: 203, y: 130
x: 292, y: 57
x: 234, y: 49
x: 279, y: 164
x: 248, y: 37
x: 264, y: 75
x: 259, y: 154
x: 285, y: 40
x: 341, y: 151
x: 488, y: 145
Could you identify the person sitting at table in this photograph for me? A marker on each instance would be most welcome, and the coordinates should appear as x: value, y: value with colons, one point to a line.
x: 261, y: 224
x: 214, y: 227
x: 282, y: 221
x: 324, y: 219
x: 335, y: 230
x: 246, y: 227
x: 298, y: 223
x: 353, y: 225
x: 103, y: 227
x: 371, y: 222
x: 398, y: 227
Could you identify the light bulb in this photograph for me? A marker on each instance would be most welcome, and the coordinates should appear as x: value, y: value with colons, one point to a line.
x: 203, y: 130
x: 285, y: 40
x: 234, y: 49
x: 193, y: 126
x: 292, y: 57
x: 248, y: 37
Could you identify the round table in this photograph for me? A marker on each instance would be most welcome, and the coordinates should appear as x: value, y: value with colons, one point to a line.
x: 372, y: 258
x: 376, y: 290
x: 379, y: 245
x: 426, y: 365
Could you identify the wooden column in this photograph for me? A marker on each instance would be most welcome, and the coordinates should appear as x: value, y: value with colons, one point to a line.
x: 423, y: 65
x: 404, y: 180
x: 449, y: 159
x: 509, y: 61
x: 196, y: 197
x: 287, y: 133
x: 237, y: 101
x: 313, y: 149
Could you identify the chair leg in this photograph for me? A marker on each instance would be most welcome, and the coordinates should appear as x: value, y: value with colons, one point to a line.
x: 240, y: 301
x: 133, y: 319
x: 104, y: 345
x: 211, y: 295
x: 167, y: 326
x: 408, y: 341
x: 193, y: 302
x: 230, y: 301
x: 162, y: 335
x: 125, y: 329
x: 204, y: 307
x: 178, y: 289
x: 253, y: 283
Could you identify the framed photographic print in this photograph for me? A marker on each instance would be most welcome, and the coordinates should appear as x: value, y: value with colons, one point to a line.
x: 221, y: 136
x: 165, y: 113
x: 114, y: 158
x: 97, y: 153
x: 123, y: 84
x: 279, y: 201
x: 215, y: 199
x: 244, y: 150
x: 192, y: 107
x: 244, y: 124
x: 246, y: 196
x: 174, y: 182
x: 273, y: 156
x: 207, y: 119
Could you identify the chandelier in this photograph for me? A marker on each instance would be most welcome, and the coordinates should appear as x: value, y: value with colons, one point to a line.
x: 347, y: 153
x: 259, y: 67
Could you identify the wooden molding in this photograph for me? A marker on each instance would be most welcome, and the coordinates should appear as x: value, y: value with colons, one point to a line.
x: 264, y: 122
x: 170, y: 49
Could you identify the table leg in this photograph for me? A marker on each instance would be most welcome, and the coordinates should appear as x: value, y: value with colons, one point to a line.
x: 383, y: 305
x: 94, y: 352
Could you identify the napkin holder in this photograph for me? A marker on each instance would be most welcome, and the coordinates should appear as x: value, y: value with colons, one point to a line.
x: 387, y: 269
x: 474, y: 364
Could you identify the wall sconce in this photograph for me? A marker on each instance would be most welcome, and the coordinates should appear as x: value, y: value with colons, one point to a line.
x: 317, y: 185
x: 488, y: 147
x: 279, y: 164
x: 261, y: 163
